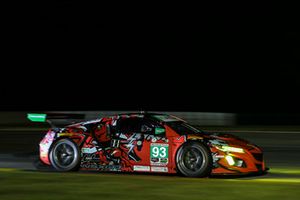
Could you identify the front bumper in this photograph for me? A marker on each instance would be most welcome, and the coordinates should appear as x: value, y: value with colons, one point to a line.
x: 251, y: 161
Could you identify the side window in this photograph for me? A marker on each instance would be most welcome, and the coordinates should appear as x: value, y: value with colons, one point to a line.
x: 151, y: 127
x: 129, y: 125
x: 146, y: 128
x: 138, y: 125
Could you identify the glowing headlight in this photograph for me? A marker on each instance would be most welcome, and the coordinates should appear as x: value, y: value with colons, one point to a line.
x: 231, y: 149
x: 230, y: 160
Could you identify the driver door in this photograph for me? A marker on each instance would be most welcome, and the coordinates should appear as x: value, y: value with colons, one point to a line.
x: 147, y: 148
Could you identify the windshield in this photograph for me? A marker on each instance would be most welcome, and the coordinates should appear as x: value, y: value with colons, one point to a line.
x: 183, y: 128
x: 166, y: 118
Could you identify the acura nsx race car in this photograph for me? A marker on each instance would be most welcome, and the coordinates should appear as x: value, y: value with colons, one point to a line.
x: 148, y: 142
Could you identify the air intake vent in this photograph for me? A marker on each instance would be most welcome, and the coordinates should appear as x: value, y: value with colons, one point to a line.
x: 258, y: 156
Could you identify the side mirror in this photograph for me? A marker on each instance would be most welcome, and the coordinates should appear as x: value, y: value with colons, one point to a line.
x: 159, y: 131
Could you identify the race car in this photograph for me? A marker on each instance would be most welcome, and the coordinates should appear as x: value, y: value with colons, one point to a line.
x: 147, y: 142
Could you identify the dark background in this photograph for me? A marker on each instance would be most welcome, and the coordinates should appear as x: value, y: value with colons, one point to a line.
x: 213, y: 58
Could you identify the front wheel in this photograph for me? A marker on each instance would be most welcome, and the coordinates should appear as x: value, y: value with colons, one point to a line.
x: 194, y: 159
x: 64, y: 155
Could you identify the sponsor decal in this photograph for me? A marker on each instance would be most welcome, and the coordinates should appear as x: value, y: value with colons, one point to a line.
x: 159, y: 169
x: 90, y: 157
x: 96, y: 166
x: 153, y: 140
x: 141, y: 168
x: 89, y: 165
x: 180, y: 139
x: 159, y: 131
x: 159, y: 154
x: 220, y: 156
x: 89, y: 150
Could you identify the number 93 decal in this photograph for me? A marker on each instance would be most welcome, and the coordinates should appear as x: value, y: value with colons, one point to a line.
x: 159, y: 151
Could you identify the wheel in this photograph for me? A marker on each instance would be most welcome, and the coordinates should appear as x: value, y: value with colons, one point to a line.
x: 64, y: 155
x: 194, y: 159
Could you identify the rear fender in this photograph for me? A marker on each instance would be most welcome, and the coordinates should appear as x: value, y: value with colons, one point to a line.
x: 53, y: 136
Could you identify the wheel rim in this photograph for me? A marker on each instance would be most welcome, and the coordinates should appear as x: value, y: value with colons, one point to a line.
x: 192, y: 159
x: 64, y: 155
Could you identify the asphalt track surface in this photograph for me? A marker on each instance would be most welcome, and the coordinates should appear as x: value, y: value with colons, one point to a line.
x: 18, y: 149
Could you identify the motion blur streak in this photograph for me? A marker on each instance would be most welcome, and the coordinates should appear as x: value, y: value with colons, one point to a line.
x: 280, y: 180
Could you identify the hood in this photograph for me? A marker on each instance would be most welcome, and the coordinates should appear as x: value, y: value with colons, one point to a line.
x: 226, y: 137
x: 221, y: 139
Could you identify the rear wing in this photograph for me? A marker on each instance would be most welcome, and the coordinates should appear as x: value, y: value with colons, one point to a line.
x: 54, y: 119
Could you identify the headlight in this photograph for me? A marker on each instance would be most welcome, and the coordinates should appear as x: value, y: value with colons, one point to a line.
x: 230, y: 149
x: 230, y: 160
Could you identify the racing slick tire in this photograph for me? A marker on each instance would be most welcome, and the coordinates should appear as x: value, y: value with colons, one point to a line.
x: 194, y: 159
x: 64, y: 155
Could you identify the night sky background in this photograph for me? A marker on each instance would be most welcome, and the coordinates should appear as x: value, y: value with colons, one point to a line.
x: 211, y: 58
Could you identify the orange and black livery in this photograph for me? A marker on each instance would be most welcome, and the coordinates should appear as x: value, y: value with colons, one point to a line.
x: 148, y: 142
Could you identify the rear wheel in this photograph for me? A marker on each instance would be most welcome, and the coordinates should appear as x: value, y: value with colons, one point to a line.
x: 194, y: 159
x: 64, y: 155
